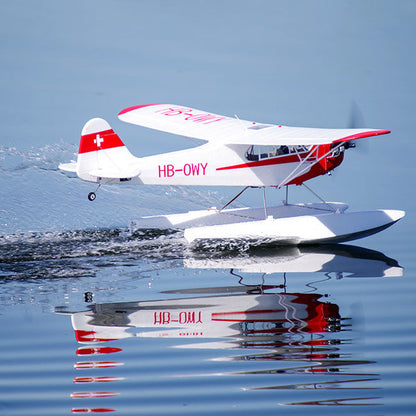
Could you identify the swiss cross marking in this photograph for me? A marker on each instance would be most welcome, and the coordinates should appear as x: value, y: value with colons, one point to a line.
x: 98, y: 140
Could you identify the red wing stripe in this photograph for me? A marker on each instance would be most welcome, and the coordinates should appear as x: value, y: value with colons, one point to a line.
x: 362, y: 135
x: 135, y: 107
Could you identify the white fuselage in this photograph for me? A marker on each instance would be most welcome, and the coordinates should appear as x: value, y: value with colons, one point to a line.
x: 211, y: 165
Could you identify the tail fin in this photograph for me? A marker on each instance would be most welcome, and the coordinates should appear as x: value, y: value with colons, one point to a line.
x: 102, y: 154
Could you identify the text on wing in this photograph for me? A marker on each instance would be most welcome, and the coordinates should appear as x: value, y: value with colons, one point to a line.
x: 188, y: 114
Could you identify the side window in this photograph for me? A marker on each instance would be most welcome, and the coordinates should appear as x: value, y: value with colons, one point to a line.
x: 266, y: 152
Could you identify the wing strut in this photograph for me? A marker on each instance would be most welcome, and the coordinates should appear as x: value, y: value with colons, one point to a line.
x: 295, y: 172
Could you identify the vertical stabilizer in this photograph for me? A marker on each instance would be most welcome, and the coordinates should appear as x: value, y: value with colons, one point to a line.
x: 102, y: 154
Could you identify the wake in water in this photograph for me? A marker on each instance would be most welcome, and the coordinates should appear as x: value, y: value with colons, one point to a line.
x: 77, y: 253
x: 49, y: 229
x: 45, y: 158
x: 36, y: 196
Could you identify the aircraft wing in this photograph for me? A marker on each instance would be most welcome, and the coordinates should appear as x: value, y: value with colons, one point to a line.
x: 185, y: 121
x: 284, y: 135
x: 211, y: 127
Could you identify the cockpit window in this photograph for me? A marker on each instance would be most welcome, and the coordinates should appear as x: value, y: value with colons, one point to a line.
x: 265, y: 152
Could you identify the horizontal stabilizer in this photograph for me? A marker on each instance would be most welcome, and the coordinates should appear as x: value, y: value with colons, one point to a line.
x: 115, y: 173
x: 68, y: 167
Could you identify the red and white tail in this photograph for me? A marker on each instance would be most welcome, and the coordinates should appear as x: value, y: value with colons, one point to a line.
x: 102, y: 154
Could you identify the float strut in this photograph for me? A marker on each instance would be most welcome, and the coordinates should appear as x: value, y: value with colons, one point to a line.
x: 323, y: 200
x: 264, y: 202
x: 228, y: 203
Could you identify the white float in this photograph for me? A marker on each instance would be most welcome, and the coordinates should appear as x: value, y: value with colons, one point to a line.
x: 284, y: 224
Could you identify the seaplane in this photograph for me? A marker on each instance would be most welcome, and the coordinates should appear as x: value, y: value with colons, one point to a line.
x: 235, y: 153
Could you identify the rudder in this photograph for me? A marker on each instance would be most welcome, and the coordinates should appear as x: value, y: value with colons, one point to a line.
x: 102, y: 154
x: 98, y: 135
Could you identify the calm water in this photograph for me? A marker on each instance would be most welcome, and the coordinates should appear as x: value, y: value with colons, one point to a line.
x: 96, y: 320
x: 100, y: 321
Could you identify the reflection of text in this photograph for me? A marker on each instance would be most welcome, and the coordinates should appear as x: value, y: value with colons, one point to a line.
x: 182, y: 318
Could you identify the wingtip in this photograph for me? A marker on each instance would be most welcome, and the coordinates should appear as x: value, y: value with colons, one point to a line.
x: 135, y: 107
x: 362, y: 135
x: 383, y: 132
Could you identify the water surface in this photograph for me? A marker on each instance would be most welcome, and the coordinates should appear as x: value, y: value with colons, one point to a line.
x: 104, y: 321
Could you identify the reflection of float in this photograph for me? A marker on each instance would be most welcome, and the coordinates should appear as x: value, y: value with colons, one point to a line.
x: 340, y: 260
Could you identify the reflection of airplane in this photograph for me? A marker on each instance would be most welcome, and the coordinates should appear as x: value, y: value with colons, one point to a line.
x: 341, y: 260
x: 297, y: 328
x: 237, y: 316
x: 209, y: 316
x: 264, y: 323
x: 281, y: 322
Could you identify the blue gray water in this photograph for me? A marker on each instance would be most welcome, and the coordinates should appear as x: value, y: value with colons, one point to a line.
x: 94, y: 319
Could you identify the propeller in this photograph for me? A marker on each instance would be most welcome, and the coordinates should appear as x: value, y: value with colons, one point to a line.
x: 356, y: 121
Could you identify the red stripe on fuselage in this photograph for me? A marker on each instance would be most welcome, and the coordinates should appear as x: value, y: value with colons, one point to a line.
x: 268, y: 162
